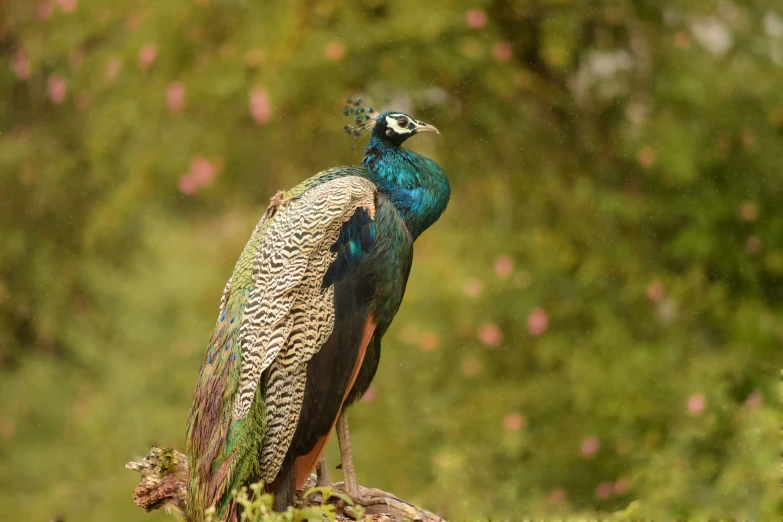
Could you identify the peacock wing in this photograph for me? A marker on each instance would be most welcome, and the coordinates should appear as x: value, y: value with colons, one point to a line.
x: 290, y: 311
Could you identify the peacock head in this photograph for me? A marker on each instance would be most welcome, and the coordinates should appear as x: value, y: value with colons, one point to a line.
x: 391, y: 126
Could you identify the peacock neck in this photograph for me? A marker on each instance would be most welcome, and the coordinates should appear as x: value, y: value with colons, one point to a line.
x: 414, y: 183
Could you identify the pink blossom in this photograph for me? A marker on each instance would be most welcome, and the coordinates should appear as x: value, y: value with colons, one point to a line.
x: 646, y: 157
x: 45, y: 9
x: 471, y: 368
x: 537, y: 322
x: 175, y: 96
x: 77, y: 59
x: 476, y: 18
x: 754, y: 399
x: 502, y: 51
x: 513, y: 421
x: 82, y: 101
x: 113, y: 68
x: 147, y: 56
x: 604, y: 490
x: 749, y: 211
x: 408, y: 334
x: 622, y: 486
x: 655, y: 291
x: 7, y: 427
x: 590, y: 446
x: 187, y: 185
x: 753, y: 246
x: 472, y: 287
x: 696, y: 404
x: 20, y: 65
x: 558, y: 496
x: 260, y: 107
x: 334, y: 50
x: 201, y: 174
x: 490, y: 335
x: 57, y: 89
x: 202, y: 171
x: 133, y: 21
x: 254, y: 57
x: 504, y: 266
x: 429, y: 341
x: 68, y: 5
x: 369, y: 395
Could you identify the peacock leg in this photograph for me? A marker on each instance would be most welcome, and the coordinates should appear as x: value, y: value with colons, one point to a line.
x: 349, y: 472
x: 322, y: 472
x: 361, y: 495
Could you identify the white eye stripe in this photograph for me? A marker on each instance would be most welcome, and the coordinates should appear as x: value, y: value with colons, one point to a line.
x: 391, y: 122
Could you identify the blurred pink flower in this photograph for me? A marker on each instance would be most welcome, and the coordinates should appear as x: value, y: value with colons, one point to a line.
x: 175, y: 96
x: 513, y: 421
x: 82, y: 101
x: 604, y: 490
x: 255, y: 57
x: 502, y: 51
x: 45, y: 9
x: 187, y: 185
x: 655, y: 291
x: 334, y: 50
x: 558, y: 496
x: 113, y: 68
x: 20, y: 65
x: 77, y: 58
x: 622, y: 486
x: 57, y: 88
x: 471, y: 368
x: 133, y: 21
x: 147, y: 56
x: 754, y: 399
x: 623, y: 446
x: 369, y: 395
x: 202, y: 173
x: 476, y: 18
x: 749, y: 211
x: 753, y: 246
x: 260, y: 108
x: 504, y: 266
x: 408, y: 334
x: 68, y: 5
x: 537, y: 322
x: 696, y: 404
x: 7, y: 427
x: 490, y: 335
x: 202, y: 170
x: 472, y: 287
x: 590, y: 446
x: 429, y: 341
x: 646, y: 157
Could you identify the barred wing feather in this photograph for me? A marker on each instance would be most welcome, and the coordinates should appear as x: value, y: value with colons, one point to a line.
x: 289, y: 316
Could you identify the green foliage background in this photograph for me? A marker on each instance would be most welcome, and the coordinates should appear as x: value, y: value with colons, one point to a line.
x: 595, y: 323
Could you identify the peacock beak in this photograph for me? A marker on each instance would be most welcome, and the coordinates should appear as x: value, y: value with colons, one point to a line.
x: 426, y: 127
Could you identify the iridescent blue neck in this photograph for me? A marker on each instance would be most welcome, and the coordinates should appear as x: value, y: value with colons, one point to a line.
x: 415, y: 184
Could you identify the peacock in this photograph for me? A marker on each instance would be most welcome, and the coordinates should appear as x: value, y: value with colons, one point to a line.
x: 299, y: 330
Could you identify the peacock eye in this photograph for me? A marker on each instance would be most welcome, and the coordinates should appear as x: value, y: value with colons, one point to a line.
x: 402, y: 121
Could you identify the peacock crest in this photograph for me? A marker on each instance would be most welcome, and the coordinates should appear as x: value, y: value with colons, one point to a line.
x: 363, y: 118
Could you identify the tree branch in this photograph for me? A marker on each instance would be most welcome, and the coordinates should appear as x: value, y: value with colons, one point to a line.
x: 164, y: 475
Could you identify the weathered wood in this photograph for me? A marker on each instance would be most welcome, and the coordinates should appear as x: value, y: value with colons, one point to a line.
x: 164, y: 479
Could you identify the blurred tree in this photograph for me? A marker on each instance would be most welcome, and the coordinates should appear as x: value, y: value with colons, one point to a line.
x: 595, y: 321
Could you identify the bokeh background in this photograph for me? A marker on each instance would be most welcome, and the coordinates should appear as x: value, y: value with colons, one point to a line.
x: 593, y: 326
